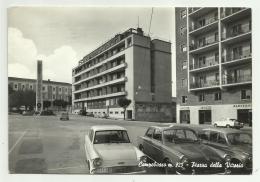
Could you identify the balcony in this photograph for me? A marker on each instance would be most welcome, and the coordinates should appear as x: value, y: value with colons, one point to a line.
x: 198, y: 12
x: 204, y: 85
x: 210, y: 24
x: 239, y: 80
x: 243, y: 32
x: 82, y: 89
x: 210, y: 64
x: 207, y: 45
x: 116, y: 68
x: 233, y: 14
x: 101, y: 96
x: 232, y: 59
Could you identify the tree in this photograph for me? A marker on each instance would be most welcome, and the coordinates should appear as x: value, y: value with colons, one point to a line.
x: 20, y: 98
x: 124, y: 103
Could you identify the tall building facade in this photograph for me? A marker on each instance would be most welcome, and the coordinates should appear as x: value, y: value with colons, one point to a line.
x: 51, y: 90
x: 213, y: 64
x: 129, y: 65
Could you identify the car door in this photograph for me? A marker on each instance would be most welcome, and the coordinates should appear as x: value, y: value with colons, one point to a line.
x: 157, y: 146
x: 217, y: 140
x: 147, y: 141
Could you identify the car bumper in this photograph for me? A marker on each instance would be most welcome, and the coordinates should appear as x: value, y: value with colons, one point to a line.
x: 119, y: 170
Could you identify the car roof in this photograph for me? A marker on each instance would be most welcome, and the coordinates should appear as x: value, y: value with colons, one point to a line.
x: 106, y: 127
x: 224, y: 130
x: 171, y: 126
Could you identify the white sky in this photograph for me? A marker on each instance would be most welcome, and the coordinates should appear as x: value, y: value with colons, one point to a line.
x: 61, y: 36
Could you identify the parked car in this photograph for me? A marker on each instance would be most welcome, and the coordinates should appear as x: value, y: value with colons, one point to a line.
x: 47, y: 113
x: 228, y: 123
x: 89, y: 114
x: 238, y: 144
x: 109, y: 150
x: 179, y: 149
x: 82, y: 112
x: 64, y: 116
x: 28, y: 113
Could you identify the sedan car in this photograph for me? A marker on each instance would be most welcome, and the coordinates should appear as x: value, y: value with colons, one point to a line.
x: 64, y: 116
x: 109, y: 150
x: 238, y: 144
x: 228, y: 123
x: 178, y: 149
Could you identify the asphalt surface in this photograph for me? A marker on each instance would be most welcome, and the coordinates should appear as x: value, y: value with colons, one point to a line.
x: 44, y: 144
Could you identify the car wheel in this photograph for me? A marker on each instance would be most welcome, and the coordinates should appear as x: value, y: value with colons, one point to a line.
x: 167, y: 170
x: 141, y: 148
x: 215, y: 125
x: 228, y: 126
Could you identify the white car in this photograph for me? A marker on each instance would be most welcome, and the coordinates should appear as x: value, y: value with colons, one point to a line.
x: 229, y: 123
x: 109, y: 150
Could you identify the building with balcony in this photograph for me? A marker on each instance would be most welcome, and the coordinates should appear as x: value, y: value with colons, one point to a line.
x: 213, y: 64
x: 129, y: 65
x: 51, y: 90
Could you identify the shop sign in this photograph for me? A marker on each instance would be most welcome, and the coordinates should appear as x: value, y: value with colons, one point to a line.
x: 243, y: 106
x: 205, y: 108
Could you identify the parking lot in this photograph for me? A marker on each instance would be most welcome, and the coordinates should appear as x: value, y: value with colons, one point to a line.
x: 44, y: 144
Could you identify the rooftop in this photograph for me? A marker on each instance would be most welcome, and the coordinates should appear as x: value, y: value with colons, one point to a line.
x: 34, y: 80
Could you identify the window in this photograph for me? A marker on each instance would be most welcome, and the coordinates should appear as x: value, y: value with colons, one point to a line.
x: 201, y: 97
x: 31, y: 87
x: 23, y: 87
x: 53, y: 96
x: 183, y: 30
x: 183, y: 48
x: 110, y: 112
x: 15, y: 86
x: 202, y: 22
x: 43, y: 88
x: 53, y: 89
x: 116, y: 112
x: 183, y: 13
x: 245, y: 95
x: 184, y: 64
x: 183, y: 82
x: 157, y: 135
x: 149, y: 132
x: 129, y: 42
x: 184, y: 99
x: 217, y: 96
x: 60, y: 89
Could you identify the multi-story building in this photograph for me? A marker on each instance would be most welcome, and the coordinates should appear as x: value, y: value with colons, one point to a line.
x: 214, y: 64
x: 129, y: 65
x: 51, y: 90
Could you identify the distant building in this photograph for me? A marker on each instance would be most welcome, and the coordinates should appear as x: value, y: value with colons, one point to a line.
x: 213, y: 64
x: 51, y: 90
x: 129, y: 65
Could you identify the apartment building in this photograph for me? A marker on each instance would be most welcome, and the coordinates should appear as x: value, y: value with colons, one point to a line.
x: 213, y: 64
x: 51, y: 90
x: 129, y: 65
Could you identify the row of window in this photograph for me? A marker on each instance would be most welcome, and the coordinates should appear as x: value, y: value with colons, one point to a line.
x: 217, y: 96
x: 43, y: 87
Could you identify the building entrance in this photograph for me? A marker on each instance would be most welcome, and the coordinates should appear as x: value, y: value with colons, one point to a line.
x: 204, y: 116
x: 185, y: 116
x: 245, y: 116
x: 129, y: 114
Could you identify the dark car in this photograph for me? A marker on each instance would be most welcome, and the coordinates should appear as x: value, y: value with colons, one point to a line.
x: 64, y: 116
x: 179, y: 149
x: 28, y: 113
x: 47, y: 113
x: 82, y: 112
x: 236, y: 143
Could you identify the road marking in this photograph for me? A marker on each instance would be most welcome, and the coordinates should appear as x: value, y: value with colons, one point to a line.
x: 81, y: 166
x: 17, y: 141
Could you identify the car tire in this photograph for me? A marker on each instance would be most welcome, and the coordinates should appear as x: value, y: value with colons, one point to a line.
x: 166, y: 169
x: 215, y: 125
x: 141, y: 148
x: 227, y: 126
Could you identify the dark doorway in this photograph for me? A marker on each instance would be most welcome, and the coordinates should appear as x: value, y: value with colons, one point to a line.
x: 185, y: 116
x: 245, y: 116
x: 129, y: 114
x: 204, y: 116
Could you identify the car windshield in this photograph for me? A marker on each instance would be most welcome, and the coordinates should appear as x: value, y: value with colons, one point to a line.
x: 111, y: 136
x: 239, y: 138
x: 180, y: 136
